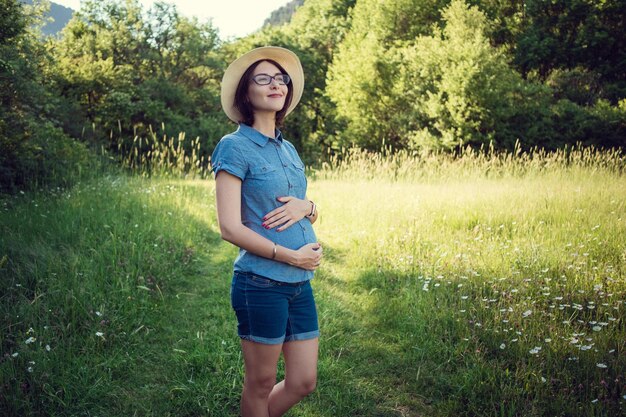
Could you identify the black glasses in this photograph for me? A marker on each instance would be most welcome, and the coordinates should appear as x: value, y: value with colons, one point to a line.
x: 265, y: 79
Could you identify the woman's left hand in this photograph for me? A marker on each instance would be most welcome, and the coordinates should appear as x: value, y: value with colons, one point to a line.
x: 286, y: 215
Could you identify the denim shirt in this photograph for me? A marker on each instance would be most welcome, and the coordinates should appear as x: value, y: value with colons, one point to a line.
x: 268, y: 168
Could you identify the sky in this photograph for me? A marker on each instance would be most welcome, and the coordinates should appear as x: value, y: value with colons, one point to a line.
x: 233, y: 18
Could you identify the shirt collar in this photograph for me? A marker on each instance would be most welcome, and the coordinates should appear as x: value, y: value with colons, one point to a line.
x: 256, y: 136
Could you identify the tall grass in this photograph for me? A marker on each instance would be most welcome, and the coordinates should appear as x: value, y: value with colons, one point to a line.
x: 163, y: 156
x: 482, y: 285
x: 404, y: 165
x: 168, y: 156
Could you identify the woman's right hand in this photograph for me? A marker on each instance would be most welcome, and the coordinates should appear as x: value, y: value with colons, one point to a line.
x: 309, y: 256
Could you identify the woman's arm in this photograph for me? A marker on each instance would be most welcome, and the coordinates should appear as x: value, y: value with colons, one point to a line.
x: 228, y: 195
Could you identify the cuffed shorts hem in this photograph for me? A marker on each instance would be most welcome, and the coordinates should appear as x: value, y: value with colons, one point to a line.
x: 264, y: 340
x: 282, y: 339
x: 302, y: 336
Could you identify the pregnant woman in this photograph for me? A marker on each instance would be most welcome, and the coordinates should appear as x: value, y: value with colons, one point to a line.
x: 263, y: 209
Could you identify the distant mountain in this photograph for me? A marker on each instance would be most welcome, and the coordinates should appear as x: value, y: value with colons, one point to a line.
x: 283, y: 14
x: 60, y: 14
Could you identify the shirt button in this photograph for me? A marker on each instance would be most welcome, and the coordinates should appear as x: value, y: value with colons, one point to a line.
x: 285, y: 165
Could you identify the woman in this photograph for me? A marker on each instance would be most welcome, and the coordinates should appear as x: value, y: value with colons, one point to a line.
x: 262, y: 208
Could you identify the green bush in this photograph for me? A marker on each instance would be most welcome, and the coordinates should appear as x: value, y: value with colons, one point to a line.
x: 41, y: 155
x: 589, y: 125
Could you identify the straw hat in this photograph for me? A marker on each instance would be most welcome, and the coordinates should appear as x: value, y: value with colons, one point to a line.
x: 287, y: 59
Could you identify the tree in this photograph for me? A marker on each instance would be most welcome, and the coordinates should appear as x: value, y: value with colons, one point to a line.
x: 442, y: 90
x: 571, y: 34
x: 139, y: 70
x: 361, y: 78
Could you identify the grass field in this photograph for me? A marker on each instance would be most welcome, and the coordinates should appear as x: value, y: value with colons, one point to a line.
x: 482, y: 286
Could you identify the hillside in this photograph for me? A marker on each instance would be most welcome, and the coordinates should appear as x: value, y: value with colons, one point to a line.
x: 283, y: 14
x: 60, y: 15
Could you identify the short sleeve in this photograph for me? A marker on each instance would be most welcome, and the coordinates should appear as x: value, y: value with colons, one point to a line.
x: 229, y: 158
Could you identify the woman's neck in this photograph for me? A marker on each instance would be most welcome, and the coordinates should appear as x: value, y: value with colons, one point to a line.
x: 266, y: 124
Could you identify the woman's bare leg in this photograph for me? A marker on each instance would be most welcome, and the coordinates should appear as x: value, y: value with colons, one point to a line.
x: 300, y: 376
x: 260, y: 376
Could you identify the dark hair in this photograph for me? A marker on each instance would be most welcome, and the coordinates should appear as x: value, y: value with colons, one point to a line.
x: 242, y: 102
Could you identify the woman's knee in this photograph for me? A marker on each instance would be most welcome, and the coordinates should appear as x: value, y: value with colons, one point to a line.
x: 302, y: 386
x: 261, y: 385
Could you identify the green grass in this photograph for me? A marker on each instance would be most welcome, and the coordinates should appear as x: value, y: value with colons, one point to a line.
x: 441, y: 280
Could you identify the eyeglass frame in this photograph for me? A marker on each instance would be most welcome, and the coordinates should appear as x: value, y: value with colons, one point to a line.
x: 273, y: 77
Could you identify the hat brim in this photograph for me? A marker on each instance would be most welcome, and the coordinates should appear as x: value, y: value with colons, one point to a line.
x: 287, y: 59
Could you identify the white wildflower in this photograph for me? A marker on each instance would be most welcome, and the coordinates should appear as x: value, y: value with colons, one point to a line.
x: 527, y: 313
x: 30, y: 340
x: 601, y: 365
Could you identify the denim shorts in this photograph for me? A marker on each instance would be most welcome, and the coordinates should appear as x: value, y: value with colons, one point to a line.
x: 273, y: 312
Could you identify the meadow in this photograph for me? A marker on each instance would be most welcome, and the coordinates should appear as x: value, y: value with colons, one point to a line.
x: 478, y: 285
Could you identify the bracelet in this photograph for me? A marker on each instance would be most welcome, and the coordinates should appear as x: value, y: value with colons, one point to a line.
x: 274, y: 252
x: 313, y: 208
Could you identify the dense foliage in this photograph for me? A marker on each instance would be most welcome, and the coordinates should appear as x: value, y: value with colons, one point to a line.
x: 405, y: 74
x: 34, y: 150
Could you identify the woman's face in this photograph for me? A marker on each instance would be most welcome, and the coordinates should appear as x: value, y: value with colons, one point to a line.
x: 268, y: 98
